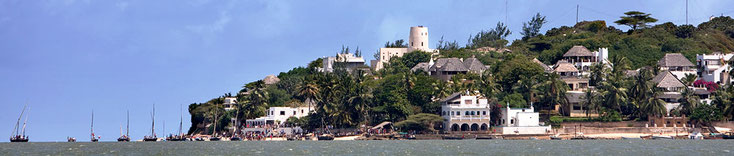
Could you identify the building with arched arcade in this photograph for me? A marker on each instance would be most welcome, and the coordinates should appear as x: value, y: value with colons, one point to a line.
x: 465, y: 112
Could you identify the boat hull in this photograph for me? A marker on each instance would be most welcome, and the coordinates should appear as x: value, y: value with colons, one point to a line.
x: 18, y: 140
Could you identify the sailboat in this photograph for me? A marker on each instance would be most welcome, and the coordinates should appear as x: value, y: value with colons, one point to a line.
x: 126, y: 137
x: 179, y: 136
x: 152, y: 136
x: 20, y: 137
x: 94, y: 139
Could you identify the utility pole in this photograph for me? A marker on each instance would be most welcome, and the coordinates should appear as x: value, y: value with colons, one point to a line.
x: 686, y: 12
x: 506, y: 8
x: 577, y: 13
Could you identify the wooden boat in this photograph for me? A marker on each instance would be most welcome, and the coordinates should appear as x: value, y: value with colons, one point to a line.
x: 235, y: 138
x: 555, y: 138
x: 125, y: 138
x: 451, y: 138
x: 152, y: 136
x: 214, y: 139
x: 18, y: 133
x: 728, y: 135
x: 326, y: 137
x: 659, y: 137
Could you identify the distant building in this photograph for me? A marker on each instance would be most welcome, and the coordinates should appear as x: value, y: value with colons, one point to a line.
x: 230, y: 103
x: 521, y: 121
x: 714, y: 67
x: 465, y: 113
x: 418, y: 40
x: 445, y: 68
x: 271, y: 79
x: 577, y: 85
x: 677, y: 64
x: 582, y: 58
x: 672, y: 89
x: 546, y: 68
x: 277, y: 116
x: 348, y: 61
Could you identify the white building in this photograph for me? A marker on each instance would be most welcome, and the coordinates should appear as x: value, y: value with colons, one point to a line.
x: 521, y: 121
x: 465, y: 113
x: 348, y: 61
x: 230, y: 103
x: 677, y: 64
x: 278, y: 115
x: 714, y: 67
x: 582, y: 58
x: 418, y: 40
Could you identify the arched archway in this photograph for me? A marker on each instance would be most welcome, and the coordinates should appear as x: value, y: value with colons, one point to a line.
x: 484, y: 127
x: 474, y: 127
x: 455, y: 127
x: 464, y: 127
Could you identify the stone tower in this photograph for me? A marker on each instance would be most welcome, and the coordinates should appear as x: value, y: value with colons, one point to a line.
x: 418, y: 39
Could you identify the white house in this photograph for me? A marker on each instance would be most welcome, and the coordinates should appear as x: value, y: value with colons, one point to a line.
x: 714, y: 67
x: 521, y: 121
x: 278, y: 115
x: 418, y: 40
x: 347, y: 60
x: 230, y: 103
x: 582, y: 58
x: 465, y: 113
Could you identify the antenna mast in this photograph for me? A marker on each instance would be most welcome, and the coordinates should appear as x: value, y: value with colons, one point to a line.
x: 127, y: 129
x: 577, y: 13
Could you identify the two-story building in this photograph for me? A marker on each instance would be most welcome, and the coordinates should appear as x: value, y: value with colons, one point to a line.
x: 445, y: 68
x: 583, y: 59
x: 521, y: 121
x: 715, y: 67
x: 465, y: 113
x: 277, y: 116
x: 347, y: 61
x: 672, y: 88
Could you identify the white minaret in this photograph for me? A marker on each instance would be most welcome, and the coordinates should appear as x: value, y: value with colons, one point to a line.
x: 418, y: 39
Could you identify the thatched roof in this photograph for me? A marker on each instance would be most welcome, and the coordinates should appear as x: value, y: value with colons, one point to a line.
x: 421, y: 66
x: 675, y: 60
x: 578, y: 51
x: 545, y: 67
x: 565, y: 67
x: 448, y: 64
x: 575, y: 97
x: 473, y: 64
x: 665, y: 79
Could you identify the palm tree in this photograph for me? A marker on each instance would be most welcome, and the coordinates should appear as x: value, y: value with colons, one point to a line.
x: 689, y: 101
x: 654, y: 106
x: 556, y: 91
x: 641, y: 90
x: 591, y: 102
x: 257, y: 101
x: 614, y: 94
x: 598, y: 71
x: 689, y: 79
x: 308, y: 92
x: 723, y: 100
x: 526, y: 85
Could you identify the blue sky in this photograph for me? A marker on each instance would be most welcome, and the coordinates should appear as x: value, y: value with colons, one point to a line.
x: 69, y: 57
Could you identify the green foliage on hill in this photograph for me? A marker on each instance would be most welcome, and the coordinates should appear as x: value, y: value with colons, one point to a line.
x: 643, y: 47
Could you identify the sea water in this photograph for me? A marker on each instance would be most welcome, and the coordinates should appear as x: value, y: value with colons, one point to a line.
x: 397, y: 147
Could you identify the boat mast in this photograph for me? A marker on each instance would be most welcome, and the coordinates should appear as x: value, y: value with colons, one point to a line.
x: 214, y: 133
x: 127, y: 129
x: 180, y: 124
x: 152, y: 128
x: 26, y: 120
x: 16, y: 129
x: 92, y: 129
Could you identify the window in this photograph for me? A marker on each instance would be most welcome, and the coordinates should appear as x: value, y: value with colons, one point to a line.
x: 282, y: 112
x: 421, y: 43
x: 294, y: 112
x: 301, y: 111
x: 452, y: 113
x: 272, y: 113
x: 466, y: 113
x: 484, y: 112
x: 411, y: 44
x: 512, y: 121
x: 467, y: 101
x: 472, y: 113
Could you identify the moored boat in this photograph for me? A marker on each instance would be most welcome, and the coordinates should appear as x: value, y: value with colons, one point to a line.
x: 326, y: 137
x: 20, y: 136
x: 152, y: 136
x: 125, y: 138
x: 631, y: 138
x: 451, y: 138
x: 659, y: 137
x: 728, y: 135
x: 70, y: 139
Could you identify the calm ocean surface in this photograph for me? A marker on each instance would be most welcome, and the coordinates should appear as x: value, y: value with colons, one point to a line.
x: 412, y: 147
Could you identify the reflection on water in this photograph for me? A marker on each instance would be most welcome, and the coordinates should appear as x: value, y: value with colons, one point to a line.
x: 416, y: 147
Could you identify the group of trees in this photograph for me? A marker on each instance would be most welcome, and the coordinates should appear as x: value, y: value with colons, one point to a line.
x: 395, y: 93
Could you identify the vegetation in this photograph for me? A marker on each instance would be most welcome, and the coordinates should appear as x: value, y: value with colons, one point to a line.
x: 411, y: 99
